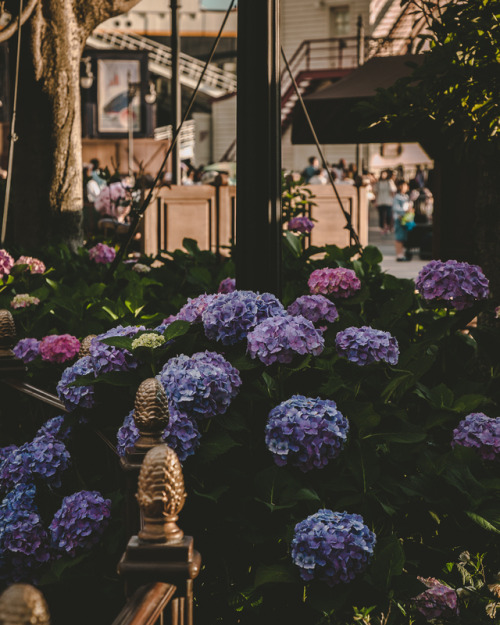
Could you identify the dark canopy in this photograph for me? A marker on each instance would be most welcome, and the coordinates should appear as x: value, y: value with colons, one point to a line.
x: 336, y: 112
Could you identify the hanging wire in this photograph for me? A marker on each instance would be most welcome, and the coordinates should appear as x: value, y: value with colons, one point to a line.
x: 140, y: 213
x: 348, y: 226
x: 13, y: 136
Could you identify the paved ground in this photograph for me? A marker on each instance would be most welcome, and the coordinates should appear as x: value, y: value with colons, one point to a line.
x: 385, y: 243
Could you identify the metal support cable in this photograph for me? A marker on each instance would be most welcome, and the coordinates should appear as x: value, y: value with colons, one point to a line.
x: 348, y: 225
x: 140, y: 213
x: 13, y: 136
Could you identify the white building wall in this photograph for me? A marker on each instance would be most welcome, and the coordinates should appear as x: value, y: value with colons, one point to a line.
x: 223, y: 126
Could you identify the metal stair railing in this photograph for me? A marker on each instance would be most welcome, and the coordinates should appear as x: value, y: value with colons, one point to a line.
x: 216, y: 82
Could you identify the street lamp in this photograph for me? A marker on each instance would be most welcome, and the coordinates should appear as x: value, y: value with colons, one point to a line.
x: 133, y: 87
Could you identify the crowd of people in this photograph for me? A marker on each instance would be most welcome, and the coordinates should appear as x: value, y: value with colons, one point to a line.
x: 404, y: 207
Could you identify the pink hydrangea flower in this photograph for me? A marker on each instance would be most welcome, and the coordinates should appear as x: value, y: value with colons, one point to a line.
x: 339, y: 282
x: 102, y: 253
x: 59, y: 347
x: 23, y: 300
x: 6, y: 263
x: 34, y: 264
x: 439, y: 601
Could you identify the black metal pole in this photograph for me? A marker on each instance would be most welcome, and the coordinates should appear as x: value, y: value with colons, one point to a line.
x: 175, y: 44
x: 258, y: 216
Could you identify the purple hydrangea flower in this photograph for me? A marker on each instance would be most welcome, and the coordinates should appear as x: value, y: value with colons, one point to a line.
x: 202, y: 385
x: 438, y: 602
x: 195, y: 307
x: 27, y: 350
x: 338, y: 282
x: 45, y: 457
x: 366, y: 345
x: 460, y: 284
x: 333, y: 547
x: 102, y: 253
x: 228, y: 285
x: 106, y: 358
x: 6, y: 263
x: 59, y: 348
x: 479, y: 432
x: 80, y: 521
x: 6, y: 451
x: 314, y: 308
x: 55, y: 427
x: 23, y: 539
x: 301, y: 224
x: 278, y: 339
x: 76, y: 396
x: 181, y: 434
x: 230, y: 317
x: 305, y: 432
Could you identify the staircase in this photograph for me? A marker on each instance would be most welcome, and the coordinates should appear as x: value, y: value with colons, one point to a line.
x: 215, y: 83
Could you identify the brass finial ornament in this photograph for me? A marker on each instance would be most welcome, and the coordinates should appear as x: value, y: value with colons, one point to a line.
x: 22, y: 604
x: 7, y: 331
x: 150, y: 414
x: 161, y: 496
x: 85, y: 346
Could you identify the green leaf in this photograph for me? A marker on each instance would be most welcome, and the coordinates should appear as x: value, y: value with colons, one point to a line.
x: 123, y: 342
x: 398, y: 386
x: 388, y: 562
x: 482, y: 522
x: 294, y: 243
x: 213, y: 495
x: 469, y: 403
x: 371, y: 255
x: 110, y: 313
x: 215, y: 445
x: 176, y: 329
x: 52, y: 283
x: 191, y: 246
x: 274, y: 574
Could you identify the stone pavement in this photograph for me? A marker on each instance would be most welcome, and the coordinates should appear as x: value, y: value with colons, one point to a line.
x: 385, y: 243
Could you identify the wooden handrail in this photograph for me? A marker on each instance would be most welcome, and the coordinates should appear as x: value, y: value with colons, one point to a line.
x: 37, y: 393
x: 146, y: 605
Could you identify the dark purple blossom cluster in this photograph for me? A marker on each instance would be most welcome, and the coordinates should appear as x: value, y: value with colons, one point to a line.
x: 181, y: 434
x: 230, y: 317
x: 45, y: 458
x: 338, y: 282
x: 438, y: 602
x: 228, y: 285
x: 301, y: 224
x: 460, y: 284
x: 333, y: 547
x: 6, y: 263
x: 305, y: 432
x: 56, y: 427
x: 314, y: 307
x: 76, y: 396
x: 106, y: 358
x: 80, y: 521
x: 27, y: 350
x: 24, y: 545
x: 366, y: 345
x: 479, y: 432
x: 201, y: 385
x: 194, y: 309
x: 279, y: 339
x: 102, y: 253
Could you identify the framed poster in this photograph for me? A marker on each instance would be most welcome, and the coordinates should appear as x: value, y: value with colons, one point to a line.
x: 114, y: 79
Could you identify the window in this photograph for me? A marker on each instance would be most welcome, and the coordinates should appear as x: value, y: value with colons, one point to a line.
x: 340, y: 24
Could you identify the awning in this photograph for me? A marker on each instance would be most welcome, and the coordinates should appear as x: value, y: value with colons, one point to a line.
x: 334, y: 110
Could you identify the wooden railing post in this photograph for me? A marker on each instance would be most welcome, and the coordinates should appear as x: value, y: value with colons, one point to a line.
x: 160, y: 552
x: 9, y: 364
x: 22, y: 604
x: 151, y: 418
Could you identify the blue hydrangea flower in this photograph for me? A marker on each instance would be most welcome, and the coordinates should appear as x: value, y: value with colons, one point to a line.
x: 76, y: 396
x: 106, y: 358
x: 23, y: 540
x: 45, y: 457
x: 27, y: 350
x: 333, y: 547
x: 80, y: 521
x: 279, y: 339
x: 231, y: 316
x: 305, y: 432
x: 181, y: 434
x: 479, y: 432
x: 202, y: 385
x: 314, y: 307
x: 460, y: 284
x: 6, y: 451
x: 55, y: 427
x: 366, y: 345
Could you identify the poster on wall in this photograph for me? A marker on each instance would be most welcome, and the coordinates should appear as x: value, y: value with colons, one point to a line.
x: 114, y: 77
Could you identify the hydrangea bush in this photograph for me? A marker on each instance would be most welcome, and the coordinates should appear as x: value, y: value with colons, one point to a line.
x: 479, y: 432
x: 365, y: 345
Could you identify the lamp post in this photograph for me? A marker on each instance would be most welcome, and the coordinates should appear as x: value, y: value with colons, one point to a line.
x: 131, y: 93
x: 175, y: 44
x: 258, y: 221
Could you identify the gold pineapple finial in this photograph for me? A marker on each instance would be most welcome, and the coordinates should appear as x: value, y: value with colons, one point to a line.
x: 85, y: 345
x: 161, y: 496
x: 150, y: 414
x: 22, y: 604
x: 7, y: 330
